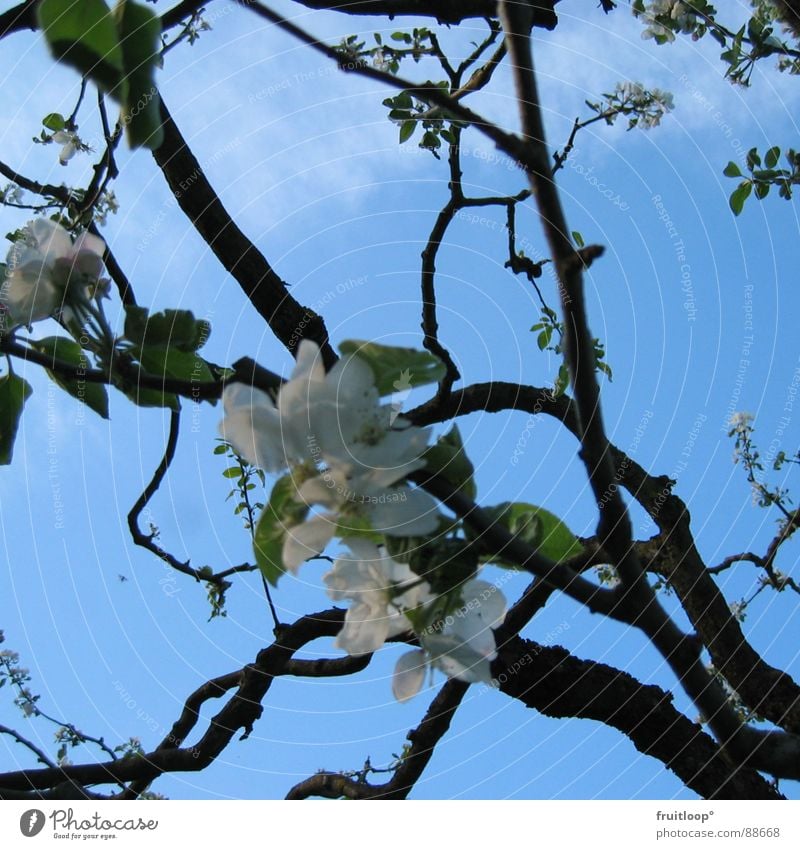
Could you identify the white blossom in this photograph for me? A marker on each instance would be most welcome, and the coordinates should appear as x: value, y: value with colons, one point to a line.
x: 463, y: 647
x: 381, y: 590
x: 355, y: 451
x: 351, y: 497
x: 42, y: 265
x: 740, y: 421
x: 274, y: 433
x: 70, y: 145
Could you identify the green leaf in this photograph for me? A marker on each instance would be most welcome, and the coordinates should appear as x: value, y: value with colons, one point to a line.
x: 396, y: 368
x: 762, y: 190
x: 739, y: 196
x: 177, y: 329
x: 753, y: 158
x: 145, y: 397
x: 772, y: 156
x: 14, y: 392
x: 449, y: 460
x: 232, y: 472
x: 407, y: 130
x: 536, y: 526
x: 140, y: 40
x: 54, y: 121
x: 577, y: 238
x: 430, y: 141
x: 94, y: 395
x: 83, y: 35
x: 732, y: 170
x: 562, y: 380
x: 281, y: 512
x: 176, y: 364
x: 605, y: 368
x: 543, y: 340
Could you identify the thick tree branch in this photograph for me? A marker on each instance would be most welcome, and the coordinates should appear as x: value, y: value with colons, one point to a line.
x: 289, y: 321
x: 768, y: 691
x: 556, y: 684
x: 445, y: 11
x: 240, y: 712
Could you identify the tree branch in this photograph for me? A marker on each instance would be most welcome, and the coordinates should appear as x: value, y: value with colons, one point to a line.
x: 424, y: 739
x: 268, y: 293
x: 556, y: 684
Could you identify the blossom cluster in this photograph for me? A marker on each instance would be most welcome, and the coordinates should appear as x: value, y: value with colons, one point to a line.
x: 349, y: 453
x: 675, y: 16
x: 389, y: 599
x: 349, y: 456
x: 43, y: 267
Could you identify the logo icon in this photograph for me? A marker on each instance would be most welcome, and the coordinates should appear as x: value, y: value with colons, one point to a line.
x: 402, y: 389
x: 31, y: 822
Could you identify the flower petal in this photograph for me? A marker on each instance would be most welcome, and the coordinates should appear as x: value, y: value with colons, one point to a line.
x: 365, y: 630
x: 491, y: 603
x: 306, y: 540
x: 456, y: 659
x: 51, y: 238
x: 409, y: 675
x: 89, y: 243
x: 403, y: 512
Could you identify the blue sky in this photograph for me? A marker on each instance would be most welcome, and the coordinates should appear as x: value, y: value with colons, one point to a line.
x: 308, y: 165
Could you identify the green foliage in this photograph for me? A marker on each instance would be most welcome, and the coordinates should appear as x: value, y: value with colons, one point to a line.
x: 436, y: 123
x: 165, y: 345
x: 448, y: 459
x: 14, y: 392
x: 445, y: 563
x: 119, y: 51
x: 741, y: 50
x: 763, y: 176
x: 394, y: 366
x: 643, y: 107
x: 385, y: 56
x: 536, y: 526
x: 140, y: 40
x: 282, y: 512
x: 54, y: 121
x: 94, y: 395
x: 84, y: 35
x: 177, y: 329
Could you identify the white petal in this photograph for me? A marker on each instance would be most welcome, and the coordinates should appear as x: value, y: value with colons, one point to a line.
x: 309, y: 363
x: 491, y: 603
x: 473, y: 633
x: 456, y: 659
x: 67, y: 152
x: 306, y: 540
x: 256, y: 436
x: 29, y: 298
x: 89, y: 243
x: 51, y: 238
x: 365, y: 630
x: 323, y: 489
x: 353, y: 382
x: 353, y: 576
x: 409, y: 675
x: 403, y: 512
x: 363, y: 549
